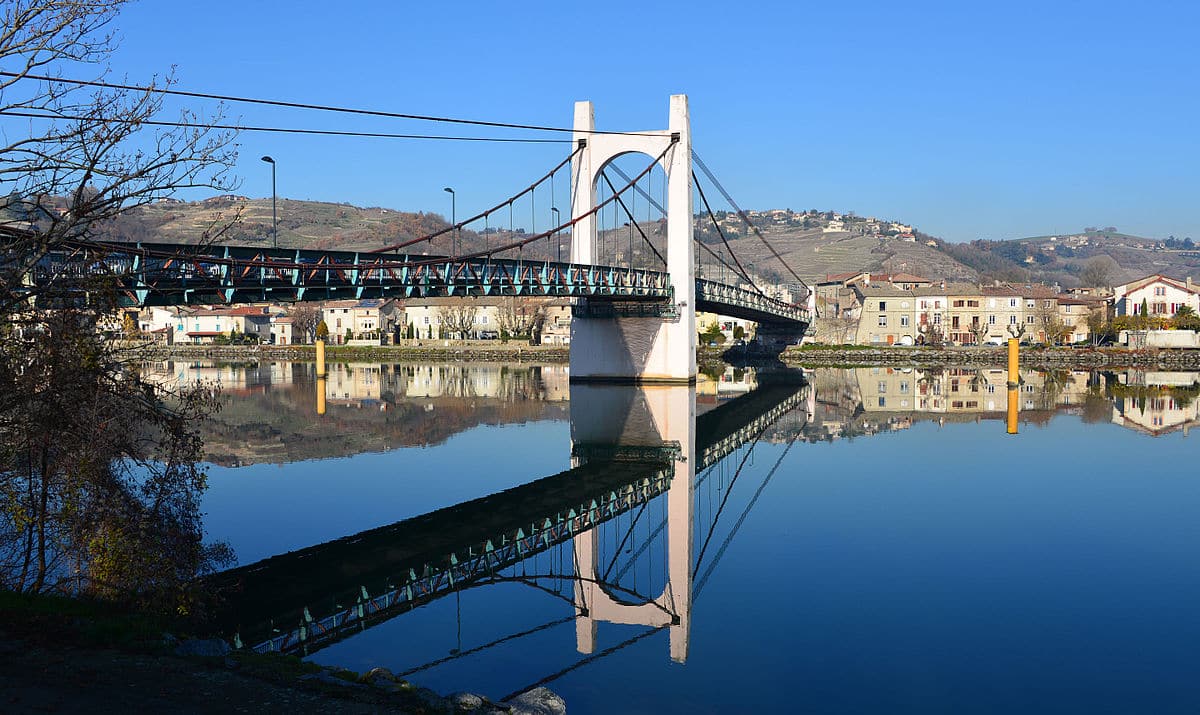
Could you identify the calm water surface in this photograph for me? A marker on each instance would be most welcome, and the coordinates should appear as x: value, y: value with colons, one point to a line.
x: 871, y: 541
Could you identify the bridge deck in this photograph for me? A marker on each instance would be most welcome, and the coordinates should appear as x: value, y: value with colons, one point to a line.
x: 150, y: 274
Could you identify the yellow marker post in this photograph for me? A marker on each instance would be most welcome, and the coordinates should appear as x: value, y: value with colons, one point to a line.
x: 320, y: 377
x: 1014, y: 381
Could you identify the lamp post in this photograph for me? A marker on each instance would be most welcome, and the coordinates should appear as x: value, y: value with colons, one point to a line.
x: 453, y: 219
x: 629, y: 225
x: 557, y: 235
x: 274, y: 216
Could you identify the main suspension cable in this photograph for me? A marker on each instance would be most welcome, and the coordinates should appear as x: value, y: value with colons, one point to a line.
x: 744, y: 217
x: 721, y: 233
x: 476, y: 217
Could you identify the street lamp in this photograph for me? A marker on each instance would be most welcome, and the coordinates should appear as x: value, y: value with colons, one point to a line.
x: 274, y: 216
x: 453, y: 219
x: 629, y: 225
x: 557, y: 235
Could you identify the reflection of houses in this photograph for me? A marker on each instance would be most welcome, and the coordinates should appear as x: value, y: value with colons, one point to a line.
x: 1157, y: 403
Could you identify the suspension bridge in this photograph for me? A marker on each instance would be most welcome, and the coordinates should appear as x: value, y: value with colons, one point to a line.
x: 631, y: 323
x: 629, y: 448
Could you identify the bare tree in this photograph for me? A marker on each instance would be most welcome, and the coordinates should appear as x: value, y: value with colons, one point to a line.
x: 304, y: 322
x: 99, y: 472
x: 458, y: 319
x: 978, y: 330
x: 86, y: 155
x: 521, y: 316
x: 1049, y: 322
x: 1017, y: 330
x: 1100, y: 271
x: 843, y: 328
x: 932, y: 333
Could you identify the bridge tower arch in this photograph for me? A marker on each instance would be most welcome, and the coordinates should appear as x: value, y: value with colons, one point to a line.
x: 615, y: 341
x: 651, y: 416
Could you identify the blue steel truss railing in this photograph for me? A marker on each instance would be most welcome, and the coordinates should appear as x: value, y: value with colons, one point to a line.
x: 149, y: 274
x: 463, y: 567
x: 714, y: 452
x: 722, y: 298
x: 166, y: 274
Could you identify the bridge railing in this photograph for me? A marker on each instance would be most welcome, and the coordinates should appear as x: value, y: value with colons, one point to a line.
x: 171, y: 274
x: 731, y: 295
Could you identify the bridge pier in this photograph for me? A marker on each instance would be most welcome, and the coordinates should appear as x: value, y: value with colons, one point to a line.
x: 658, y: 416
x: 636, y: 341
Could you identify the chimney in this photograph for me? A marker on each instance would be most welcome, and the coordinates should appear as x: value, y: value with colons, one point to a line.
x: 1190, y: 285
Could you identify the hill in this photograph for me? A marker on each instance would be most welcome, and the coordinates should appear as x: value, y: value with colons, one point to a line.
x: 814, y: 243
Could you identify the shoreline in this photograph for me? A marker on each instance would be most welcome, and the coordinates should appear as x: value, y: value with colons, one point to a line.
x: 1056, y: 358
x: 807, y: 356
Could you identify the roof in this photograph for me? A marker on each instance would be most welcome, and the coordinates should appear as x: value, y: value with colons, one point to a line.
x: 1157, y: 277
x: 882, y: 290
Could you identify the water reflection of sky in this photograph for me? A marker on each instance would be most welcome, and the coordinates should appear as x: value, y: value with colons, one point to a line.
x: 266, y: 509
x: 949, y: 568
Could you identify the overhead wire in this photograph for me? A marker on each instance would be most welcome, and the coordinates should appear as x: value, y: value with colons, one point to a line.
x: 310, y: 106
x: 277, y: 130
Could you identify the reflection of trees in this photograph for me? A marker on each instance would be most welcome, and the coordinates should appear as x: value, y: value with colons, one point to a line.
x: 99, y: 483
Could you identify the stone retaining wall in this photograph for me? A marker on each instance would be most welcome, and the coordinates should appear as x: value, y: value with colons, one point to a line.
x: 1054, y: 358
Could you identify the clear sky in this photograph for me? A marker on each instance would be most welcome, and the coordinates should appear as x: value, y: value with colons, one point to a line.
x: 971, y: 120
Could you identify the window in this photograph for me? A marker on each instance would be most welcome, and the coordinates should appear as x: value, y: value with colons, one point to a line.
x: 959, y: 303
x: 991, y: 302
x: 883, y: 305
x: 991, y: 320
x: 937, y: 319
x: 1012, y: 302
x: 1160, y: 290
x: 339, y: 323
x: 426, y: 320
x: 904, y: 321
x: 1028, y: 319
x: 883, y: 321
x: 972, y: 304
x: 1012, y: 320
x: 882, y: 387
x: 179, y: 328
x: 903, y: 387
x: 954, y: 322
x: 883, y: 402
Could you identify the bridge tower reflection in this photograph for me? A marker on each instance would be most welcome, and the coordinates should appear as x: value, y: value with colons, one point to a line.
x: 621, y: 422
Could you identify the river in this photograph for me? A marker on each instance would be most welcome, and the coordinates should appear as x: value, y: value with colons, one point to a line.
x: 866, y: 540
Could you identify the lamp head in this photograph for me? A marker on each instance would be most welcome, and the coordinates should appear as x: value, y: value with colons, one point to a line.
x: 268, y: 159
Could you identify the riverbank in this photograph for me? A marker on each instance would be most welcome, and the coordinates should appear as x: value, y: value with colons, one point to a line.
x: 1031, y: 357
x: 63, y: 655
x: 412, y: 351
x: 804, y: 356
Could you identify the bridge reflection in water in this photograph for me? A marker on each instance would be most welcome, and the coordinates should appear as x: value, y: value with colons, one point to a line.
x: 635, y: 452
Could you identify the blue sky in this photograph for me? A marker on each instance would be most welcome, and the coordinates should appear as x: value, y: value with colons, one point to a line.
x: 971, y: 120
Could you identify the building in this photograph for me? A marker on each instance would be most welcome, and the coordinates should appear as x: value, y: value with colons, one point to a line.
x: 205, y: 325
x: 888, y: 316
x: 1163, y: 296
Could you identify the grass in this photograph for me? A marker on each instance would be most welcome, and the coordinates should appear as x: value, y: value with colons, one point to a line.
x: 83, y: 622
